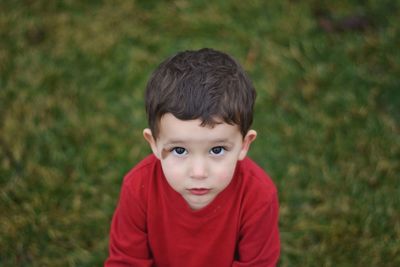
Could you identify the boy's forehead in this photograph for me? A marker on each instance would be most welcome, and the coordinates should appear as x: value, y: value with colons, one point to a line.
x: 175, y: 129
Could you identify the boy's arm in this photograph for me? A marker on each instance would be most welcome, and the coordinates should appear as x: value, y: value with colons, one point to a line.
x: 128, y: 234
x: 259, y: 244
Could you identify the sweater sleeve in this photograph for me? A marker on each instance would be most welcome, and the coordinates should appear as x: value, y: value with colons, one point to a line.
x: 128, y: 234
x: 259, y: 244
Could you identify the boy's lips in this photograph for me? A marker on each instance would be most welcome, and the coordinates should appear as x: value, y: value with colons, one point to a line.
x: 199, y: 191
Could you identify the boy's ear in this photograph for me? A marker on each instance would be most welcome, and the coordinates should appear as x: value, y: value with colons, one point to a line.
x: 247, y: 140
x: 147, y: 134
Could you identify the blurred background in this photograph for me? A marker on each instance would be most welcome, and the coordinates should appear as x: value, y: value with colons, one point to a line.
x: 72, y: 79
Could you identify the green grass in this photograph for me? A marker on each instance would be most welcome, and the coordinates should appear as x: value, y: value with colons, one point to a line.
x: 71, y: 116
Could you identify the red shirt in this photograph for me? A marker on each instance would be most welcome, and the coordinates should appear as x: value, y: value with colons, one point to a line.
x: 154, y: 226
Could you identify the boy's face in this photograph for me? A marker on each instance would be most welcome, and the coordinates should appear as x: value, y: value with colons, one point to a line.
x: 198, y: 161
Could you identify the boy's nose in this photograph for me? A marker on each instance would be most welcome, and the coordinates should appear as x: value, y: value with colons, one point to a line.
x: 198, y: 169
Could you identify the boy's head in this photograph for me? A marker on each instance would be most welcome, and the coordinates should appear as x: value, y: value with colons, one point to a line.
x: 200, y: 108
x: 206, y: 84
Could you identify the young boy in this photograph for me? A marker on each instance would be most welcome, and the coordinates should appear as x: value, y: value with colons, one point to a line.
x: 197, y: 200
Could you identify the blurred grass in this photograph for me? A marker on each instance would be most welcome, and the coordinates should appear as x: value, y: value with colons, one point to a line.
x: 327, y: 113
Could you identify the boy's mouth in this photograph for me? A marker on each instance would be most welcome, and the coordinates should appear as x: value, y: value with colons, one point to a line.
x: 199, y: 191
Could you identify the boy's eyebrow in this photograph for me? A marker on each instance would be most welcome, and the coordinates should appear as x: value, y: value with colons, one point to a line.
x: 173, y: 142
x: 180, y: 142
x: 224, y: 141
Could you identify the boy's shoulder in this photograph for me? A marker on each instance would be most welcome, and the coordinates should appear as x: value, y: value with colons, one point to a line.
x: 143, y: 165
x: 255, y: 181
x: 141, y: 174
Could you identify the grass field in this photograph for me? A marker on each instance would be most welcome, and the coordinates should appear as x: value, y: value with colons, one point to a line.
x: 327, y: 113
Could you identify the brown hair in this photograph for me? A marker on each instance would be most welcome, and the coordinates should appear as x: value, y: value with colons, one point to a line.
x: 206, y: 84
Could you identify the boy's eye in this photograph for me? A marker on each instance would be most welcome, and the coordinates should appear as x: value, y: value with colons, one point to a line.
x: 179, y: 151
x: 218, y: 150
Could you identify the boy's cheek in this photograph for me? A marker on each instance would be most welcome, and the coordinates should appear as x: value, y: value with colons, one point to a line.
x: 172, y: 170
x: 225, y: 177
x: 223, y: 173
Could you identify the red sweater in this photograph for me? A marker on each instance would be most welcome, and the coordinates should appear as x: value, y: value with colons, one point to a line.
x: 154, y: 226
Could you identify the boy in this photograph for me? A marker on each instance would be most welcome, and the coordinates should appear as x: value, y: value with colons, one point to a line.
x: 197, y: 200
